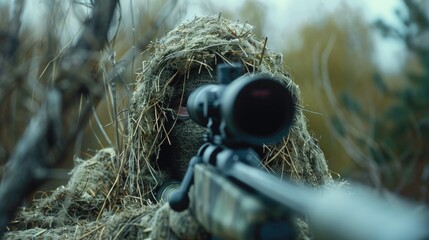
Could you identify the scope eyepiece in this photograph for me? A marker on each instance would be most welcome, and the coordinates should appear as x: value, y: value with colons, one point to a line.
x: 200, y: 101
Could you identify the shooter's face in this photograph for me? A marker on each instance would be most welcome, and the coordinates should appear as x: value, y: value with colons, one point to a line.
x: 186, y: 137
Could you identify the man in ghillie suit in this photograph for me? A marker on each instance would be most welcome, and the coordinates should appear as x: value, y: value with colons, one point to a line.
x: 116, y: 199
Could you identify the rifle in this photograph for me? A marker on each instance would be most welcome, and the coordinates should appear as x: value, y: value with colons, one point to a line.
x: 233, y: 197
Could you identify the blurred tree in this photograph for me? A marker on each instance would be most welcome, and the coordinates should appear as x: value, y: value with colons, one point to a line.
x: 382, y: 124
x: 402, y: 129
x: 334, y: 58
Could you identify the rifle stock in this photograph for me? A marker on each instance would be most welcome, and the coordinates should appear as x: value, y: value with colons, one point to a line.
x: 228, y: 211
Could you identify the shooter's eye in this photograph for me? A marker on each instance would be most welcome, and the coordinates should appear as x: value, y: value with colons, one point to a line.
x: 179, y: 107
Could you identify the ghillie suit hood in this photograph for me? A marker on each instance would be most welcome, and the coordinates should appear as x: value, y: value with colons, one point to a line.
x: 195, y: 48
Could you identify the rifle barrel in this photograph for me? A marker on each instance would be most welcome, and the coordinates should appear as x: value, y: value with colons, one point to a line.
x: 353, y: 212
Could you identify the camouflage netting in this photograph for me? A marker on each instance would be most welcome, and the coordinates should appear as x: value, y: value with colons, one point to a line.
x: 107, y: 198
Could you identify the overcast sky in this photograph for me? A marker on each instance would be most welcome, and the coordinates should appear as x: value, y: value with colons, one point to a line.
x: 284, y: 20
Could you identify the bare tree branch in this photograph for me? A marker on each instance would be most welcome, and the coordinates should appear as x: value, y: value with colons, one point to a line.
x: 45, y: 140
x: 8, y: 45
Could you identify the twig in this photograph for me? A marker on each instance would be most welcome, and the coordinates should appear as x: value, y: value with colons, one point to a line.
x: 100, y: 126
x: 263, y: 51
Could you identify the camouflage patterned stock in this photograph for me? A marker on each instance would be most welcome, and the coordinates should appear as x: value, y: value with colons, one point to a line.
x: 229, y: 212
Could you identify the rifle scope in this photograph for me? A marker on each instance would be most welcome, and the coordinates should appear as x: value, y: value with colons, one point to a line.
x: 255, y: 109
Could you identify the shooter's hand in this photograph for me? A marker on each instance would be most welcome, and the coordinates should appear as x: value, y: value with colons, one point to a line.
x: 168, y: 224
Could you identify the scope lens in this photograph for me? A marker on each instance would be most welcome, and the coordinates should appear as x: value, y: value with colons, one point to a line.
x: 263, y: 109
